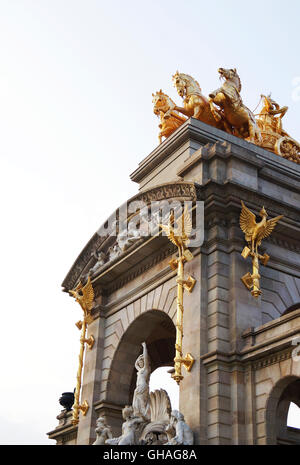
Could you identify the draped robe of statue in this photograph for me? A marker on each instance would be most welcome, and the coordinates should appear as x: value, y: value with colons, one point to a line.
x: 141, y: 396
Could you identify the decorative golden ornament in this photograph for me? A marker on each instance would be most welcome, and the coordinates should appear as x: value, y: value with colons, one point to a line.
x: 254, y: 234
x: 179, y: 236
x: 84, y: 295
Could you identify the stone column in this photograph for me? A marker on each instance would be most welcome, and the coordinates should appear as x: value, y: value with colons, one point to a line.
x: 91, y: 383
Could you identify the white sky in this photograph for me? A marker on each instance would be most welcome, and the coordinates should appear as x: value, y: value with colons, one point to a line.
x: 76, y: 79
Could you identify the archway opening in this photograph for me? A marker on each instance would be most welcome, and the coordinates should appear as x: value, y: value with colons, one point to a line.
x: 158, y: 331
x: 279, y: 431
x: 161, y: 379
x: 293, y: 419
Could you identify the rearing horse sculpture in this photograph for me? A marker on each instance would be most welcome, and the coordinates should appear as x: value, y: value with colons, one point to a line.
x: 238, y: 119
x: 195, y: 103
x: 170, y: 120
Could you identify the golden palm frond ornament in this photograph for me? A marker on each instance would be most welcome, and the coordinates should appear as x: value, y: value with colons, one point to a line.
x: 84, y: 295
x: 179, y: 236
x: 254, y: 234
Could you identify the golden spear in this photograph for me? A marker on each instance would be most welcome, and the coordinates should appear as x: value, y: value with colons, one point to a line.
x: 180, y: 237
x: 84, y: 295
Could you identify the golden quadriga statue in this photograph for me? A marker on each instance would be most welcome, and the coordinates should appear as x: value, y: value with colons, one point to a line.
x: 225, y: 110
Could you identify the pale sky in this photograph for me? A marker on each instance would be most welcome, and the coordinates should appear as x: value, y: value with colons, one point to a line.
x: 76, y: 83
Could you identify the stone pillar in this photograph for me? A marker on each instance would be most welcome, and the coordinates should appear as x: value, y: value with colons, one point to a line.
x: 91, y: 382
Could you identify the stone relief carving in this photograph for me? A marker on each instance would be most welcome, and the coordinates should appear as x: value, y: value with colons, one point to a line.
x: 128, y: 236
x: 179, y: 190
x: 101, y: 260
x: 114, y: 251
x: 103, y: 432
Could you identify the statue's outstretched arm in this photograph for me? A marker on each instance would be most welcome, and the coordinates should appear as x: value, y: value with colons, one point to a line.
x: 146, y: 357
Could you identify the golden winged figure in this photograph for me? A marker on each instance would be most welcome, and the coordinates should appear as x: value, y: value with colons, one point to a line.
x: 84, y: 295
x: 179, y: 235
x: 256, y: 232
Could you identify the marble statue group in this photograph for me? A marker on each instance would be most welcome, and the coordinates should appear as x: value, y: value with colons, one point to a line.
x: 149, y: 420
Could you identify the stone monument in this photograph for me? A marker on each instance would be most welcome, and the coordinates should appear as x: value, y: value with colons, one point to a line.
x: 243, y: 346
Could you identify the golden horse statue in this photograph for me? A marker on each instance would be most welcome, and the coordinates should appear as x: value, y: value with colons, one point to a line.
x: 195, y: 103
x: 170, y: 120
x: 238, y: 119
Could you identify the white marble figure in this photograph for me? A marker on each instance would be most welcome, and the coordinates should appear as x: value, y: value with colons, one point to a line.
x: 131, y: 429
x: 128, y: 236
x: 103, y: 432
x: 101, y: 259
x: 183, y: 433
x: 140, y: 403
x: 114, y: 251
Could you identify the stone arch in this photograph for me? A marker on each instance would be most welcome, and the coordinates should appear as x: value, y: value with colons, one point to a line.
x: 292, y: 308
x: 285, y: 391
x: 157, y: 329
x: 280, y: 292
x: 160, y: 299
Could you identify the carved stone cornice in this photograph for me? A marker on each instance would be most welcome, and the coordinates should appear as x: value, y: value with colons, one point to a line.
x: 203, y: 134
x: 272, y: 359
x: 234, y: 359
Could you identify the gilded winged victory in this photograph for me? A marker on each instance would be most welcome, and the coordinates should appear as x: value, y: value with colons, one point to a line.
x: 256, y: 232
x: 84, y: 295
x: 179, y: 236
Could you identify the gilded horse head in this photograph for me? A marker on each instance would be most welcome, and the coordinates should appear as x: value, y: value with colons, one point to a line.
x: 195, y: 103
x: 186, y: 85
x: 162, y: 102
x: 170, y: 120
x: 238, y: 119
x: 231, y: 76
